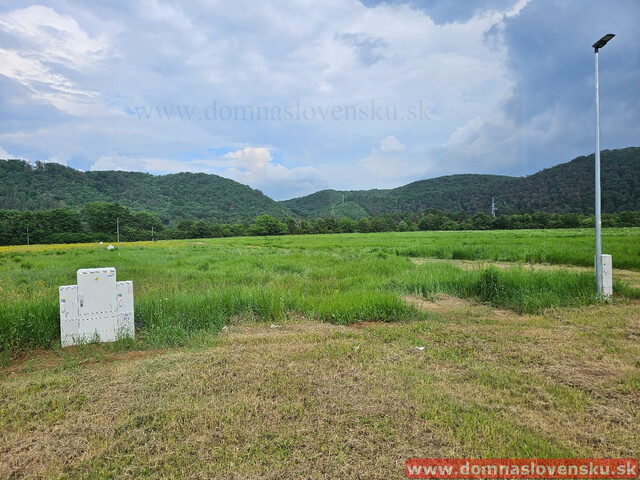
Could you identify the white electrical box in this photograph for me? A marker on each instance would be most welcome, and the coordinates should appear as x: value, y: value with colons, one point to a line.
x: 607, y: 275
x: 97, y: 307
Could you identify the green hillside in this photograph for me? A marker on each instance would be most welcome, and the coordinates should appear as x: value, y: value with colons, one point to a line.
x: 565, y: 188
x: 197, y: 196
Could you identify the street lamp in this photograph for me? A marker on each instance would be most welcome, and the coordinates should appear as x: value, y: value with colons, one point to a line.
x: 599, y: 266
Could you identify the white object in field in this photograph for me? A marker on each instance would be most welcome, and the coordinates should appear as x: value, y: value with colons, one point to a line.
x: 110, y: 247
x: 97, y: 307
x: 69, y: 321
x: 607, y: 275
x: 124, y: 292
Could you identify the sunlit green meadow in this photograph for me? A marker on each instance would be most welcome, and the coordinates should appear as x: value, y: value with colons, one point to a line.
x: 183, y: 287
x: 342, y: 356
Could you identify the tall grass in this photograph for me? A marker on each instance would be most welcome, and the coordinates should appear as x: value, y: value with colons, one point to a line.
x: 29, y: 323
x: 185, y: 287
x: 525, y: 291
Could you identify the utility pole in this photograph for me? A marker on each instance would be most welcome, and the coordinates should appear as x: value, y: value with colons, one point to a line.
x: 493, y: 207
x: 152, y: 233
x: 118, y: 232
x: 599, y: 265
x: 27, y: 236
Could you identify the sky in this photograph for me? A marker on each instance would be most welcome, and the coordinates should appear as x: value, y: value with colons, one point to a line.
x: 292, y: 97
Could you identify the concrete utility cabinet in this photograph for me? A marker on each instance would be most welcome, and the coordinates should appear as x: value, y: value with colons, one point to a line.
x: 97, y: 305
x: 607, y: 275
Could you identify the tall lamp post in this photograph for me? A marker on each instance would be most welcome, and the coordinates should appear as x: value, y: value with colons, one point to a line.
x: 599, y: 268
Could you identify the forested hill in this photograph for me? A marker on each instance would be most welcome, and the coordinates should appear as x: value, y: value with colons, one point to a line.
x: 565, y: 188
x: 197, y: 196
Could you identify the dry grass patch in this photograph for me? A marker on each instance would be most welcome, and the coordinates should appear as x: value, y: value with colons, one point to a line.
x: 247, y: 409
x: 440, y: 303
x: 314, y: 400
x: 631, y: 277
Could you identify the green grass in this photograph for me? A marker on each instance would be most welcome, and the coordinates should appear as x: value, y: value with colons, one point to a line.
x: 184, y: 288
x: 320, y: 396
x: 316, y: 400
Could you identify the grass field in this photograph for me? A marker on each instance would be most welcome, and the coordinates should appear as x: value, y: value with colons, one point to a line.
x: 318, y: 373
x: 182, y: 287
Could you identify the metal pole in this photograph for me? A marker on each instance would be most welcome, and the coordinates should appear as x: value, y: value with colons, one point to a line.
x: 597, y: 169
x: 152, y: 233
x: 27, y: 237
x: 118, y: 230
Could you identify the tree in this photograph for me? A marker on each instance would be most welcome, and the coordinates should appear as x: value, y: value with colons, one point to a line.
x: 200, y: 230
x: 238, y: 230
x: 347, y: 225
x: 145, y: 220
x: 267, y: 225
x: 481, y: 221
x: 185, y: 225
x: 431, y: 222
x: 364, y: 225
x: 304, y: 227
x: 101, y: 216
x: 383, y: 223
x: 319, y: 225
x: 291, y: 225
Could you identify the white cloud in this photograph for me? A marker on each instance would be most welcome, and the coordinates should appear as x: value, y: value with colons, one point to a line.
x: 51, y: 37
x: 391, y: 144
x: 6, y: 155
x: 254, y: 166
x: 490, y: 144
x: 95, y: 61
x: 338, y: 54
x: 388, y: 165
x: 384, y: 169
x: 250, y: 158
x: 45, y: 85
x: 48, y: 41
x: 116, y: 162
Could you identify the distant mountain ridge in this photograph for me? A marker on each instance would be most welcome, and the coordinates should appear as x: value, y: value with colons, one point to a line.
x: 564, y: 188
x: 197, y: 196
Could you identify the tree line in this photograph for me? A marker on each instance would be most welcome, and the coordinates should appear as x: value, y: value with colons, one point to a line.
x: 98, y: 221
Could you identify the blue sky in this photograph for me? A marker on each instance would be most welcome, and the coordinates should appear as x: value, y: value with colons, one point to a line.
x: 294, y: 97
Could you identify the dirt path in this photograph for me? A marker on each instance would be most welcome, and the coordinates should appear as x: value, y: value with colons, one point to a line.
x: 629, y: 276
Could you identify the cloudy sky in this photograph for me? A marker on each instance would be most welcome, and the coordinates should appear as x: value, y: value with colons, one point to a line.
x: 292, y: 97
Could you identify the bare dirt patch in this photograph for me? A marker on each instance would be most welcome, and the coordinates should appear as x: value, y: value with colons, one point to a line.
x: 50, y: 359
x: 476, y: 264
x: 373, y: 324
x: 300, y: 325
x: 629, y: 276
x: 439, y: 303
x: 365, y: 324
